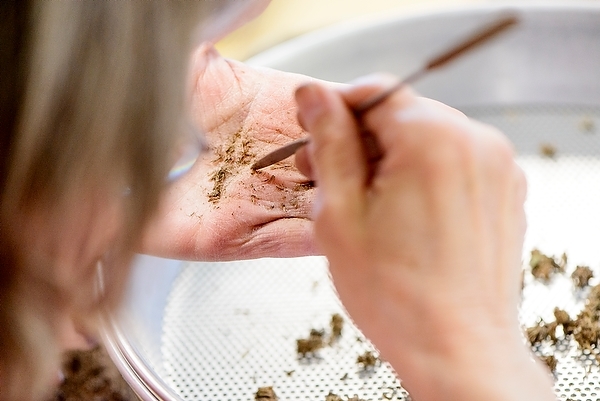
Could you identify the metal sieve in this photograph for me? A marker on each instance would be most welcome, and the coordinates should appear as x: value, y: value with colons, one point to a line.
x: 218, y: 331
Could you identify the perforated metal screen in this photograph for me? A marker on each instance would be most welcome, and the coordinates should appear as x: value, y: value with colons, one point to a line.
x: 230, y: 328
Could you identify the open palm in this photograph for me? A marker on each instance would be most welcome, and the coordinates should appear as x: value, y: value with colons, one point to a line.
x: 222, y: 210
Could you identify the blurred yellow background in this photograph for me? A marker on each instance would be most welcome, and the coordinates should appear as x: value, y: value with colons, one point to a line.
x: 285, y: 19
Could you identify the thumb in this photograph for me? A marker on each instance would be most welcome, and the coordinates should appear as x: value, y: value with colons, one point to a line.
x: 303, y: 163
x: 339, y: 164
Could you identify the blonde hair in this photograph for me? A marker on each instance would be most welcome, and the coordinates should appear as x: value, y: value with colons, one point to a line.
x: 92, y: 99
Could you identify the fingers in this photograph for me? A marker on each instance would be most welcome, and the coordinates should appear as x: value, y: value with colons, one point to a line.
x: 266, y: 240
x: 336, y: 149
x: 363, y: 90
x: 418, y: 136
x: 392, y: 122
x: 441, y: 222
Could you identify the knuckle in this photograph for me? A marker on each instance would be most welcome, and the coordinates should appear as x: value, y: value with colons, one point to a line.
x: 450, y: 152
x: 498, y: 155
x: 443, y: 146
x: 500, y: 144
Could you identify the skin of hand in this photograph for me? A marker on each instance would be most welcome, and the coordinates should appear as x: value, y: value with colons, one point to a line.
x: 221, y: 209
x: 425, y: 254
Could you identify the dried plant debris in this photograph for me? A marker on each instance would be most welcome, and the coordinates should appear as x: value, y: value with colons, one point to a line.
x: 91, y: 375
x: 218, y: 178
x: 310, y: 345
x: 337, y: 325
x: 586, y: 334
x: 550, y: 361
x: 581, y: 276
x: 587, y: 124
x: 265, y: 394
x: 562, y: 262
x: 548, y: 150
x: 563, y: 319
x: 367, y: 360
x: 561, y: 316
x: 334, y: 397
x: 304, y: 186
x: 543, y: 267
x: 584, y: 329
x: 394, y: 392
x: 316, y: 338
x: 593, y: 299
x: 355, y: 398
x: 229, y: 158
x: 541, y: 332
x: 236, y: 151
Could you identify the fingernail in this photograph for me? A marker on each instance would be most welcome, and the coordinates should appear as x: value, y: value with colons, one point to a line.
x: 310, y: 104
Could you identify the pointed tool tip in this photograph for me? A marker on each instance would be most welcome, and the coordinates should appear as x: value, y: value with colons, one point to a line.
x: 280, y: 154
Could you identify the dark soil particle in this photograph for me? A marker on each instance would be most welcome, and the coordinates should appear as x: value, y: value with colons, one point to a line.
x: 562, y: 317
x: 333, y: 397
x: 265, y: 394
x: 233, y: 154
x: 355, y: 398
x: 587, y: 124
x: 537, y: 334
x: 586, y: 333
x: 337, y: 324
x: 270, y: 179
x: 550, y: 361
x: 367, y: 360
x: 548, y: 150
x: 581, y: 276
x: 304, y: 186
x: 584, y: 329
x: 544, y: 266
x: 218, y: 178
x: 310, y: 345
x: 91, y: 375
x: 317, y: 340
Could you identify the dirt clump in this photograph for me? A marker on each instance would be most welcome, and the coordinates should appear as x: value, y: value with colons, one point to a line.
x: 543, y: 267
x: 312, y: 344
x: 367, y: 360
x: 337, y: 325
x: 550, y: 361
x: 548, y: 150
x: 581, y: 276
x: 541, y: 332
x: 230, y: 157
x: 317, y: 339
x: 265, y: 394
x: 91, y: 375
x: 334, y: 397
